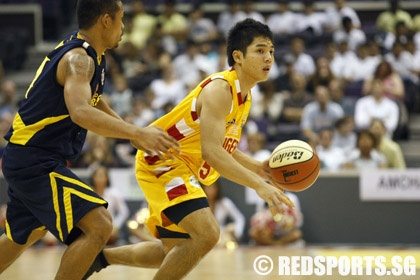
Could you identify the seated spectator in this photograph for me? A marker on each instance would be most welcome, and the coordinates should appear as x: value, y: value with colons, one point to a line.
x: 401, y: 61
x: 303, y: 63
x: 376, y: 106
x: 391, y: 82
x: 344, y: 134
x: 310, y: 23
x: 201, y: 29
x: 337, y: 91
x: 402, y: 34
x: 319, y: 114
x: 282, y: 21
x: 332, y: 157
x: 348, y: 32
x: 386, y: 20
x: 322, y: 75
x: 142, y: 25
x: 167, y: 89
x: 365, y: 156
x: 172, y: 25
x: 117, y: 207
x: 121, y: 97
x: 229, y: 17
x: 366, y: 63
x: 293, y: 103
x: 229, y: 217
x: 388, y: 147
x: 250, y: 12
x: 279, y: 230
x: 335, y: 13
x: 9, y: 97
x: 343, y: 62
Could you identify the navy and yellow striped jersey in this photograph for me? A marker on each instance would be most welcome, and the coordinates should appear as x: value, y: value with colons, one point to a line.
x: 43, y: 120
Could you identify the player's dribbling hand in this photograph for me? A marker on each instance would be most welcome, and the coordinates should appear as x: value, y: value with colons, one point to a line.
x: 157, y: 142
x: 275, y: 198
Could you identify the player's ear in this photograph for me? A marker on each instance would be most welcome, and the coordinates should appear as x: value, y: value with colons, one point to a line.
x: 237, y: 56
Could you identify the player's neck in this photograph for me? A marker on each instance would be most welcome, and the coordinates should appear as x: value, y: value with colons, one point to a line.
x: 246, y: 82
x: 91, y: 38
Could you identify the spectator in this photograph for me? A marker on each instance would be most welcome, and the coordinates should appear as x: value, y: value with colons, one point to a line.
x: 343, y: 62
x: 250, y: 11
x: 303, y: 62
x: 365, y: 156
x: 388, y: 147
x: 282, y: 22
x: 121, y: 97
x: 190, y: 65
x: 387, y: 19
x: 224, y: 211
x: 376, y: 106
x: 392, y: 83
x: 100, y: 182
x: 319, y: 114
x: 344, y: 135
x: 322, y: 75
x: 229, y: 17
x: 311, y: 23
x: 402, y: 34
x: 335, y: 13
x: 332, y: 157
x: 142, y: 25
x: 167, y: 89
x: 172, y: 26
x: 401, y: 61
x: 293, y: 104
x: 338, y: 95
x: 200, y: 28
x: 366, y: 63
x: 9, y: 97
x: 348, y: 32
x: 280, y: 230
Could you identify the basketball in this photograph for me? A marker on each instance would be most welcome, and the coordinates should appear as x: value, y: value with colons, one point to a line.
x: 294, y: 165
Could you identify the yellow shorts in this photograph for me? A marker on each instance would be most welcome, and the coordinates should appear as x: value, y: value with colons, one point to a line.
x: 172, y: 192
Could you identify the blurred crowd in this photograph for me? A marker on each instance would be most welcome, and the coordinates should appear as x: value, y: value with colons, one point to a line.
x: 348, y: 93
x: 331, y: 83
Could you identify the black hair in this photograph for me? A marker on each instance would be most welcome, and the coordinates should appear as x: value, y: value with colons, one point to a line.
x: 243, y: 34
x: 88, y: 11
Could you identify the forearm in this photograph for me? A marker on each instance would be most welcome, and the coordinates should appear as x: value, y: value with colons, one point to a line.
x: 232, y: 170
x: 103, y: 124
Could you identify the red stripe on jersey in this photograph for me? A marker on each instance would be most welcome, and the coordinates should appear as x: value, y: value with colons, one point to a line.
x: 175, y: 133
x: 151, y: 159
x: 177, y: 191
x: 206, y: 82
x: 194, y: 115
x: 240, y: 101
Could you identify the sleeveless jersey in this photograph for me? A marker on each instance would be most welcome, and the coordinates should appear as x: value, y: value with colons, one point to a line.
x: 43, y: 120
x: 184, y: 125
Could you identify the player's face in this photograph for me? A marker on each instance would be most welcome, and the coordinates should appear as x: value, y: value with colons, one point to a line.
x: 117, y: 27
x: 259, y: 59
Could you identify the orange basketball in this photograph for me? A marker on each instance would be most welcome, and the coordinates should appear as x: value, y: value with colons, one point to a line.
x: 294, y: 165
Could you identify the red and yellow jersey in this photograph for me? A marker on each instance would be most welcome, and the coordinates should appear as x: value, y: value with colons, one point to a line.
x: 183, y: 124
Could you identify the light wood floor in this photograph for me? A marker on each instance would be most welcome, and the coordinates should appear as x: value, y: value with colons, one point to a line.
x: 220, y: 263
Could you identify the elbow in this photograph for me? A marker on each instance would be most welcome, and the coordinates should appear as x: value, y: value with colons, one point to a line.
x: 78, y: 116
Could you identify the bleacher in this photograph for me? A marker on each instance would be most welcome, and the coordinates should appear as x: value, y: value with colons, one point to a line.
x: 36, y: 47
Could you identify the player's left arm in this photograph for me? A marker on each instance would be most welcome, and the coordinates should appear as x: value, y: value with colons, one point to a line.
x: 258, y: 167
x: 103, y: 106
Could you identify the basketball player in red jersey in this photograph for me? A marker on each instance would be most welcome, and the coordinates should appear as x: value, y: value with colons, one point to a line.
x: 208, y: 125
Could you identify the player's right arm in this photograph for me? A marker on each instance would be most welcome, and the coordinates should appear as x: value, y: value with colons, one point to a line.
x: 74, y: 72
x: 213, y: 104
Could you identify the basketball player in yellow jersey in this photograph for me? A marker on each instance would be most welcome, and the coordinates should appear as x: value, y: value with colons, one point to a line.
x: 207, y: 124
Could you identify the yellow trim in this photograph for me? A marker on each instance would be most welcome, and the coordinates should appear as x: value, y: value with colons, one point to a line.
x: 8, y: 232
x: 23, y: 133
x: 67, y: 192
x: 38, y: 72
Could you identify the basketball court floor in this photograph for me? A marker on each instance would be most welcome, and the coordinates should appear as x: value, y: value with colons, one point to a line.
x: 40, y: 263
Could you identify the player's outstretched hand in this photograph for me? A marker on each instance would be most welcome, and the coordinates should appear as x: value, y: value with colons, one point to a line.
x: 155, y: 141
x: 275, y: 198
